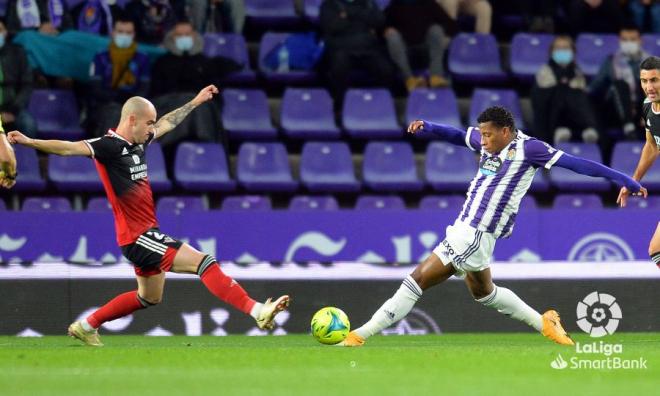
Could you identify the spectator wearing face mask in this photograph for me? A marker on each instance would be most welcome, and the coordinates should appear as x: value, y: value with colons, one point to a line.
x: 616, y: 88
x: 15, y: 86
x: 562, y: 110
x: 115, y: 75
x: 152, y: 18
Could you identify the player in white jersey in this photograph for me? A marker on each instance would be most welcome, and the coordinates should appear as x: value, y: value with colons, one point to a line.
x: 508, y: 161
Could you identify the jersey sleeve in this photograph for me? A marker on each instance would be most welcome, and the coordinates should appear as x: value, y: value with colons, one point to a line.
x: 541, y: 154
x: 102, y: 148
x: 473, y: 139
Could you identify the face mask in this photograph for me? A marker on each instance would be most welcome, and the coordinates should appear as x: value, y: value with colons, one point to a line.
x: 629, y: 47
x: 2, y: 40
x: 562, y: 56
x: 183, y: 43
x: 123, y: 40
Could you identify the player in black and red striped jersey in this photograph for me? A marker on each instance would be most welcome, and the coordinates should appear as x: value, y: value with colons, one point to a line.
x: 121, y: 163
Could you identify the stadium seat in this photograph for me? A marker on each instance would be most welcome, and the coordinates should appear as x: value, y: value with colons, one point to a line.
x: 202, y: 167
x: 327, y: 167
x: 388, y: 202
x: 270, y: 41
x: 306, y: 202
x: 651, y: 202
x: 265, y: 167
x: 247, y: 202
x: 390, y: 166
x: 56, y: 114
x: 307, y: 114
x: 3, y: 207
x: 370, y: 113
x: 528, y: 53
x: 311, y: 10
x: 449, y: 168
x: 651, y: 43
x: 382, y: 4
x: 475, y: 58
x: 73, y: 174
x: 99, y: 204
x: 246, y: 115
x: 54, y: 204
x: 157, y: 170
x: 272, y: 13
x: 592, y: 49
x: 232, y: 46
x: 435, y: 202
x: 625, y: 157
x: 577, y: 201
x: 567, y: 180
x: 27, y: 166
x: 435, y: 105
x: 483, y: 98
x: 178, y: 205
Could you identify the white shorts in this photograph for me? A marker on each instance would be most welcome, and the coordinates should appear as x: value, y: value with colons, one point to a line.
x: 466, y: 248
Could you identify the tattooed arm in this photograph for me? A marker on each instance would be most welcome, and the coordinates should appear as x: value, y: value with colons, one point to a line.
x: 170, y: 120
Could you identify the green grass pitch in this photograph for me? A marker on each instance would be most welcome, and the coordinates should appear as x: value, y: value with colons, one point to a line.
x: 448, y: 364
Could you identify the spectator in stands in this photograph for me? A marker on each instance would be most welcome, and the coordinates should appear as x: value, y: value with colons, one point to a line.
x: 646, y: 14
x: 95, y: 16
x: 351, y: 30
x: 216, y: 16
x: 16, y: 80
x: 594, y: 16
x: 418, y: 25
x: 616, y: 88
x: 559, y: 97
x: 47, y: 16
x: 152, y: 19
x: 481, y: 10
x: 116, y: 75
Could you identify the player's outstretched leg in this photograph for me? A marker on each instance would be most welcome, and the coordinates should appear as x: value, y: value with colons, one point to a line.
x: 654, y: 246
x: 429, y: 273
x: 507, y: 302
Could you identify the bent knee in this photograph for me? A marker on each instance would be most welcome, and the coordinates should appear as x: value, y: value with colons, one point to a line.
x: 148, y: 301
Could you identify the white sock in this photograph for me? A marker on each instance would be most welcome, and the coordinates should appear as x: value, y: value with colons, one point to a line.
x: 254, y: 312
x: 394, y: 309
x: 85, y: 325
x: 506, y: 302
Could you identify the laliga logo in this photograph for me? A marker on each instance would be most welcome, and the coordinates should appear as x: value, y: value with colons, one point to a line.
x: 598, y: 314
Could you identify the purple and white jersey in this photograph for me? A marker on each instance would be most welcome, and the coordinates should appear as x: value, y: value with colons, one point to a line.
x: 502, y: 180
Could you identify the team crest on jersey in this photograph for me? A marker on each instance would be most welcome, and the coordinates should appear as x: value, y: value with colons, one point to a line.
x: 490, y: 166
x: 511, y: 154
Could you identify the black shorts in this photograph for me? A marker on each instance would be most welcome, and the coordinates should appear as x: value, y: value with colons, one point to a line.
x: 152, y: 253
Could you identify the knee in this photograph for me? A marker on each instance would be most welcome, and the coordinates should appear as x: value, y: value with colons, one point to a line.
x: 150, y: 300
x: 479, y: 292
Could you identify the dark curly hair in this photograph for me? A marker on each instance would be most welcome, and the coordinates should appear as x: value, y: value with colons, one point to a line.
x: 499, y: 116
x: 650, y: 63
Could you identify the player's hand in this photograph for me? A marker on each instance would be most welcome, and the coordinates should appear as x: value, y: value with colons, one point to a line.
x: 415, y: 126
x: 205, y: 95
x: 15, y: 137
x: 622, y: 199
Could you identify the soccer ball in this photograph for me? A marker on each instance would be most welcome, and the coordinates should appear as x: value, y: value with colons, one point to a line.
x: 330, y: 325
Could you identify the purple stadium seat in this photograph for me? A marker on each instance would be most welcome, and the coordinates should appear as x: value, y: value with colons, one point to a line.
x: 369, y: 113
x: 3, y: 207
x: 528, y: 53
x: 157, y: 171
x: 475, y: 58
x: 651, y: 202
x: 483, y: 98
x: 435, y: 105
x: 434, y: 202
x: 651, y: 43
x: 29, y: 175
x: 55, y: 204
x: 306, y: 202
x: 625, y: 157
x: 56, y: 114
x: 390, y: 166
x: 202, y: 167
x: 265, y: 167
x: 247, y: 202
x: 540, y: 183
x: 382, y: 4
x: 327, y: 167
x: 592, y: 49
x: 232, y: 46
x: 268, y: 42
x: 73, y: 174
x: 271, y: 12
x: 307, y: 114
x: 245, y: 114
x: 99, y: 204
x: 567, y: 180
x: 528, y: 202
x: 368, y: 202
x: 577, y: 201
x: 178, y: 205
x: 311, y: 10
x: 449, y: 167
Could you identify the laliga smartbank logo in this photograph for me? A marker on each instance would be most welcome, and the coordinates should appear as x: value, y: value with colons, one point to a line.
x: 598, y: 315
